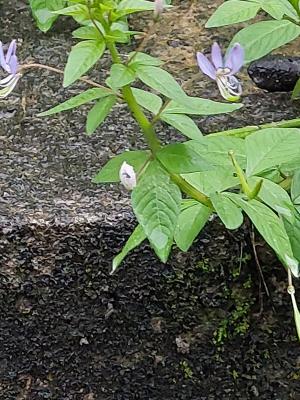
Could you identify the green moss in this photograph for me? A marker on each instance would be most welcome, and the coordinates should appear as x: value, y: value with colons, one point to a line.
x: 237, y: 321
x: 186, y: 369
x: 234, y: 374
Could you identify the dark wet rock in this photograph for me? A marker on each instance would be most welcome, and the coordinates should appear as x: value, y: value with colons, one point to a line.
x: 275, y: 73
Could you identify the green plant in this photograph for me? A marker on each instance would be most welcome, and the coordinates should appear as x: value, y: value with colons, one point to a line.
x: 260, y: 38
x: 177, y: 187
x: 186, y: 369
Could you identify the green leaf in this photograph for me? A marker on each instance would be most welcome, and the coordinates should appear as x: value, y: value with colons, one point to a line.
x: 81, y: 58
x: 232, y: 12
x: 134, y: 240
x: 230, y: 214
x: 268, y: 148
x: 295, y: 3
x: 261, y: 38
x: 216, y: 180
x: 42, y: 12
x: 120, y: 76
x: 161, y: 81
x: 275, y: 197
x: 86, y: 32
x: 99, y: 112
x: 156, y: 204
x: 181, y: 159
x: 130, y: 6
x: 271, y: 227
x: 199, y: 106
x: 147, y: 100
x: 296, y: 91
x: 183, y: 123
x: 278, y: 8
x: 295, y: 188
x: 290, y: 10
x: 274, y: 8
x: 117, y: 36
x: 215, y: 150
x: 137, y: 59
x: 75, y: 10
x: 190, y: 222
x: 110, y: 171
x: 293, y: 231
x: 76, y: 101
x: 126, y: 7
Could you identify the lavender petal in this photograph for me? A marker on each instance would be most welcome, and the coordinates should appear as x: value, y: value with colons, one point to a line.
x: 206, y: 66
x: 216, y: 56
x: 235, y: 59
x: 2, y: 59
x: 13, y: 64
x: 11, y: 51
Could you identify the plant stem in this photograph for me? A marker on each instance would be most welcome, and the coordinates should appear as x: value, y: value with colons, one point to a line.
x: 60, y: 71
x: 240, y: 173
x: 147, y: 126
x: 286, y: 183
x: 150, y: 134
x: 134, y: 107
x: 190, y: 190
x: 142, y: 120
x: 247, y: 130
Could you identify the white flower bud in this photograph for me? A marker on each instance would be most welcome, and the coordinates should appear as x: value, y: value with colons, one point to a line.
x: 159, y: 8
x: 127, y: 176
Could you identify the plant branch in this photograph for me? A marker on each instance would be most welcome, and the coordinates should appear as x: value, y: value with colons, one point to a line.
x: 247, y: 130
x: 150, y: 134
x: 240, y: 173
x: 61, y: 72
x: 93, y: 21
x: 142, y: 120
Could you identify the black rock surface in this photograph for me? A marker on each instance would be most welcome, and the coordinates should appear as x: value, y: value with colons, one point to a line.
x: 275, y: 73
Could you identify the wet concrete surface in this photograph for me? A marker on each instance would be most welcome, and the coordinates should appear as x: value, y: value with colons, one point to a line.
x: 69, y: 330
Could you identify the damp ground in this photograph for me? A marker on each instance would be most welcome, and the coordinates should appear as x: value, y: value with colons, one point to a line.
x: 192, y: 329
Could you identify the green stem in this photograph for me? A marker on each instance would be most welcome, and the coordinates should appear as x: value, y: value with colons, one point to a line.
x: 89, y: 6
x: 150, y: 134
x: 142, y: 120
x: 190, y: 190
x: 240, y: 173
x: 161, y: 110
x: 114, y: 52
x: 286, y: 183
x: 247, y: 130
x: 134, y: 107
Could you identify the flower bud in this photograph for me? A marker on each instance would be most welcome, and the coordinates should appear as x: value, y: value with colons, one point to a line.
x: 127, y: 176
x: 159, y: 8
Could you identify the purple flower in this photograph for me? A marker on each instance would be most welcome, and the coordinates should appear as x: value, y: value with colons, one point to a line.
x: 9, y: 63
x: 222, y: 70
